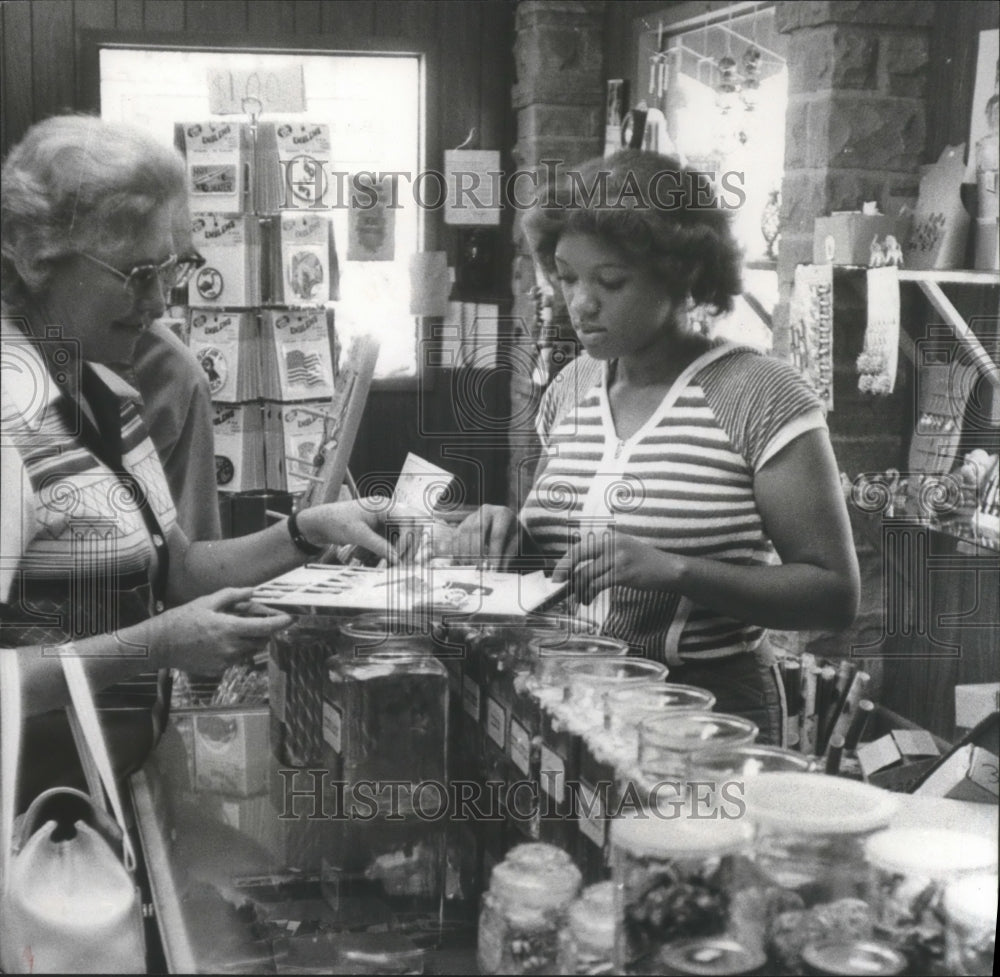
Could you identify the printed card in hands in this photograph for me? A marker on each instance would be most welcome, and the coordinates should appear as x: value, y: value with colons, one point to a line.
x: 468, y: 591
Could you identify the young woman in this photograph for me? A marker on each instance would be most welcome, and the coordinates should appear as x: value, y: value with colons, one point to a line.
x: 688, y: 491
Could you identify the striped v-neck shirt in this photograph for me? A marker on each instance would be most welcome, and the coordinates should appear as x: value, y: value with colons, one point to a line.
x: 682, y: 483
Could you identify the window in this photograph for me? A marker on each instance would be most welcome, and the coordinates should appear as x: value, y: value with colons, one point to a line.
x: 372, y: 104
x: 721, y: 82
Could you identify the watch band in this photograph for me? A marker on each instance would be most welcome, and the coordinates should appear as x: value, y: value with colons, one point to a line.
x: 301, y: 543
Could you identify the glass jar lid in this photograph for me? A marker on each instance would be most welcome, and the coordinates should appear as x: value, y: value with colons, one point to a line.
x: 536, y: 879
x: 807, y: 803
x: 972, y: 900
x: 383, y: 633
x: 933, y: 853
x: 592, y: 916
x: 675, y: 829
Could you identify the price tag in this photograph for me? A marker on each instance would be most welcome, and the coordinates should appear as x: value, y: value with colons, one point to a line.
x: 332, y: 724
x: 238, y: 92
x: 553, y: 774
x: 591, y: 821
x: 496, y: 721
x: 520, y: 747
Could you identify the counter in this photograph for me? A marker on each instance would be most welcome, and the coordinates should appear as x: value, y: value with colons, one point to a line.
x: 218, y: 864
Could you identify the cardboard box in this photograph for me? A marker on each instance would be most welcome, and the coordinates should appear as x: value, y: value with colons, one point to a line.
x: 974, y: 703
x: 231, y: 750
x: 846, y: 238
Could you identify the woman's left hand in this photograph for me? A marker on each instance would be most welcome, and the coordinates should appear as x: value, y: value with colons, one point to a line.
x: 612, y: 559
x: 360, y: 522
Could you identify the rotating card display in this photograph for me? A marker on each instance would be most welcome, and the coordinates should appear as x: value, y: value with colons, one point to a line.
x: 296, y: 354
x: 230, y: 244
x: 239, y: 462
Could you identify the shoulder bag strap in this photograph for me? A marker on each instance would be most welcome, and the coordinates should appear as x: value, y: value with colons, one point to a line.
x: 93, y: 743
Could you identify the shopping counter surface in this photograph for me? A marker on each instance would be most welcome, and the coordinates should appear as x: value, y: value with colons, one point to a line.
x: 238, y: 888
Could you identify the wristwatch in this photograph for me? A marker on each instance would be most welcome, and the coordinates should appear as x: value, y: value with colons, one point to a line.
x: 301, y: 543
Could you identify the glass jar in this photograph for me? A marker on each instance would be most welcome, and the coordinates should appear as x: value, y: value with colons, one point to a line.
x: 681, y: 889
x: 970, y: 909
x: 587, y: 682
x: 557, y: 753
x: 669, y: 743
x: 296, y: 671
x: 524, y: 911
x: 523, y: 741
x: 719, y: 777
x: 385, y: 705
x: 910, y: 869
x: 587, y: 944
x: 809, y: 850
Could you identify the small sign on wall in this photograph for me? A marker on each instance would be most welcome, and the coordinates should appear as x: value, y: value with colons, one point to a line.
x: 241, y: 91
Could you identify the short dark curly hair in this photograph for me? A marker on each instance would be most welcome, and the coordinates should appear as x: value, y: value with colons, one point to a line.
x: 653, y: 209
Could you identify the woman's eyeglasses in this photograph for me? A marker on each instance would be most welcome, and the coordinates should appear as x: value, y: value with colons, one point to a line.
x: 173, y: 273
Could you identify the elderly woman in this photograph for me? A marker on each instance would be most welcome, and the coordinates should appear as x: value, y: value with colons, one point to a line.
x: 90, y: 552
x: 688, y: 489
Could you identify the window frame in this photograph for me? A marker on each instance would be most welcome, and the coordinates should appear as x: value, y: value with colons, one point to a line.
x: 91, y: 42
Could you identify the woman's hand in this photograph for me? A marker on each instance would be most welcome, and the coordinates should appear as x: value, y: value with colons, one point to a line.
x: 360, y: 522
x: 488, y: 535
x: 612, y: 559
x: 209, y: 633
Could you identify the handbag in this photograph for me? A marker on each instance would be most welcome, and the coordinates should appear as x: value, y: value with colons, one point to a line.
x: 68, y: 898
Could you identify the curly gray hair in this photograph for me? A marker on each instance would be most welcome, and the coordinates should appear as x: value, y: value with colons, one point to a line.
x: 77, y: 183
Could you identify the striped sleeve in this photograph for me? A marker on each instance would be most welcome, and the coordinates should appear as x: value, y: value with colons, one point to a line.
x: 762, y: 403
x: 564, y: 392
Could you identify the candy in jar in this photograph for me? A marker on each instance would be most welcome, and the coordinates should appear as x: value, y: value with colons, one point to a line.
x: 911, y: 868
x: 587, y: 944
x: 524, y: 910
x: 970, y: 909
x: 809, y: 849
x: 679, y: 879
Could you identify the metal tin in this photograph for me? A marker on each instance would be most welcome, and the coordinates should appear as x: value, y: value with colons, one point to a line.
x: 712, y: 956
x: 864, y: 957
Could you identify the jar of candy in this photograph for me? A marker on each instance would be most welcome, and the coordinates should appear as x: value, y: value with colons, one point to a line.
x: 682, y: 886
x: 910, y: 869
x: 970, y: 910
x: 524, y: 911
x: 718, y: 777
x: 385, y: 704
x: 669, y: 743
x: 557, y: 755
x: 809, y: 850
x: 587, y: 682
x: 296, y: 671
x: 587, y: 944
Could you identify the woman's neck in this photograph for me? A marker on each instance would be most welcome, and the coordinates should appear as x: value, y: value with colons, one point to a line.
x: 662, y: 364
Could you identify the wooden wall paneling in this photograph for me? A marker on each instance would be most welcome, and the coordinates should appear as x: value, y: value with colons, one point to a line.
x: 129, y: 15
x: 270, y: 17
x: 19, y: 104
x: 216, y: 15
x: 349, y: 20
x: 3, y: 89
x: 94, y: 14
x: 165, y: 15
x: 52, y: 44
x: 412, y: 19
x: 308, y: 18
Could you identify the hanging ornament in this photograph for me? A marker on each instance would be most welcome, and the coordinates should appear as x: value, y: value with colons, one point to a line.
x: 770, y: 225
x: 751, y: 78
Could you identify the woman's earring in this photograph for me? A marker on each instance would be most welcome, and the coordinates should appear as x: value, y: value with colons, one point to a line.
x: 697, y: 317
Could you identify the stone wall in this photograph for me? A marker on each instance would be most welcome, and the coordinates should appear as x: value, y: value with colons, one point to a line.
x: 559, y: 100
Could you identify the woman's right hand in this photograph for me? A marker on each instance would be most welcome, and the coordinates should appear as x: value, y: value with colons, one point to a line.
x: 488, y: 536
x: 208, y: 634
